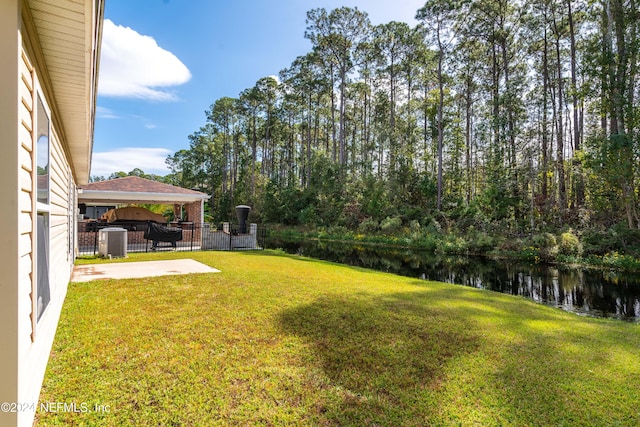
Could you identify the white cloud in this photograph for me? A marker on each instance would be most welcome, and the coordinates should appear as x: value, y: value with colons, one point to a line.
x: 105, y: 113
x: 134, y: 66
x: 126, y: 159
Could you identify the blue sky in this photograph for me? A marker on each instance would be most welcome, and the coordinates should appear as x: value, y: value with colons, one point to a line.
x: 164, y: 62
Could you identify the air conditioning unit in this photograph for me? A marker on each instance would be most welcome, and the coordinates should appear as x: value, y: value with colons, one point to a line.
x: 112, y: 241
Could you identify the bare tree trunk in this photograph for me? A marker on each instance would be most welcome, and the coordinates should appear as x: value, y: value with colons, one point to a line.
x: 467, y: 135
x: 333, y: 120
x: 577, y: 130
x: 562, y: 189
x: 342, y: 136
x: 545, y: 119
x: 440, y: 126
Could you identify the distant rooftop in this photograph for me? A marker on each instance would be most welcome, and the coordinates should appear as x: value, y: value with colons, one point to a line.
x: 131, y: 189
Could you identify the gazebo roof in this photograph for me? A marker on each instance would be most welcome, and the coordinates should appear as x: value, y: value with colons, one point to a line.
x: 133, y: 189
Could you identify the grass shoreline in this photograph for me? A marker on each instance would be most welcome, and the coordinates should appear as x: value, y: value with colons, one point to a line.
x: 278, y: 339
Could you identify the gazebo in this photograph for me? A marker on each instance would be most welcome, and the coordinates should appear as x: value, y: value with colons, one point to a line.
x: 133, y: 189
x: 188, y: 205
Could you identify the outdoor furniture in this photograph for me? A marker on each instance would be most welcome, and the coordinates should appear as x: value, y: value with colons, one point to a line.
x: 160, y: 233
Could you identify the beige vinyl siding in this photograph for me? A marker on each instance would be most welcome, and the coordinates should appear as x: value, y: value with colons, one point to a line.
x: 59, y: 191
x: 60, y: 261
x: 26, y: 241
x: 36, y: 338
x: 50, y: 52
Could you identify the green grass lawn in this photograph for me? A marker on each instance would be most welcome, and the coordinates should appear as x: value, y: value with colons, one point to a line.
x: 282, y: 340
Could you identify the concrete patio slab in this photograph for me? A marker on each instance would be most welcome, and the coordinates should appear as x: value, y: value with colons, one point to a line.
x: 133, y: 270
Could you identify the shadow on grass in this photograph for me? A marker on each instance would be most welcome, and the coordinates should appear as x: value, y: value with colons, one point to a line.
x: 382, y: 356
x: 419, y: 358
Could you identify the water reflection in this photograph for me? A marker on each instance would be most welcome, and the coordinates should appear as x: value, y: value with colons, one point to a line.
x: 588, y: 292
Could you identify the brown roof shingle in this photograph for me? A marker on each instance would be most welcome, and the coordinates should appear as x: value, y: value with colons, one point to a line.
x: 135, y: 184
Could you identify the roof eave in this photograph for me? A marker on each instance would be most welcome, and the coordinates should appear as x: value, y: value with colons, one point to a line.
x: 73, y: 31
x: 96, y: 196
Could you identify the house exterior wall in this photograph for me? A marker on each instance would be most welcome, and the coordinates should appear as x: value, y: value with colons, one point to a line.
x: 9, y: 211
x: 25, y: 339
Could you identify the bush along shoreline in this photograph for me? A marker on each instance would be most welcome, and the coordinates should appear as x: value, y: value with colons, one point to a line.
x: 617, y: 249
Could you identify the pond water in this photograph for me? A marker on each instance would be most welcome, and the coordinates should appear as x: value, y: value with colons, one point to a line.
x: 597, y: 293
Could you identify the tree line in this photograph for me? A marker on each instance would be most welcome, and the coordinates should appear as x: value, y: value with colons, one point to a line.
x: 511, y: 115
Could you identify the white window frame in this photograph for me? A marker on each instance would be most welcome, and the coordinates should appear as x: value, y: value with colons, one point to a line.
x: 42, y: 208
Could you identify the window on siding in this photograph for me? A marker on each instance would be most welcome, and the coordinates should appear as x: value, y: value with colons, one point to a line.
x: 71, y: 217
x: 43, y: 289
x: 42, y: 152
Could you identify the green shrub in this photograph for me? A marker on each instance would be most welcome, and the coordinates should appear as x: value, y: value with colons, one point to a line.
x: 617, y: 238
x: 547, y: 246
x: 529, y: 253
x: 308, y: 215
x: 368, y: 226
x: 596, y: 242
x: 432, y: 225
x: 544, y: 240
x: 510, y: 245
x: 619, y: 261
x: 482, y: 242
x: 391, y: 225
x: 414, y: 226
x: 570, y: 244
x: 452, y: 245
x: 338, y: 231
x: 428, y: 242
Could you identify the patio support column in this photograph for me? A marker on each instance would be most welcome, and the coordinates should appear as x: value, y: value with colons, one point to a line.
x: 195, y: 214
x: 177, y: 212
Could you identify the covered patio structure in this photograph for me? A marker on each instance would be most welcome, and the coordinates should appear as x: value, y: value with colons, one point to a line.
x: 188, y: 207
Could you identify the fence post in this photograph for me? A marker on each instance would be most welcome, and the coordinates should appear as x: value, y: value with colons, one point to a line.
x: 95, y: 240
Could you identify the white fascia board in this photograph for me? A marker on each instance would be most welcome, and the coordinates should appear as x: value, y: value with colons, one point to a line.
x: 95, y: 195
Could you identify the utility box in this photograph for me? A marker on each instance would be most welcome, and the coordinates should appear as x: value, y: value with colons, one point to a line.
x: 112, y: 241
